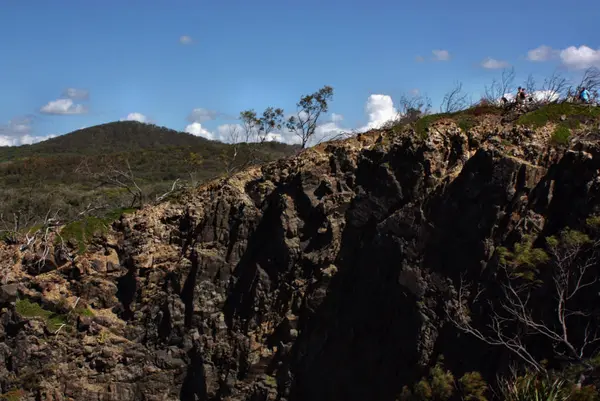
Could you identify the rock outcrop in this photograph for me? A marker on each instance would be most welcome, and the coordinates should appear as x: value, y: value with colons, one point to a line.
x: 322, y: 277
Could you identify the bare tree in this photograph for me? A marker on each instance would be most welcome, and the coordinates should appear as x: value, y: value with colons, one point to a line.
x: 115, y: 176
x: 554, y: 88
x: 591, y: 81
x: 230, y: 156
x: 498, y: 89
x: 308, y: 110
x: 455, y: 100
x: 513, y: 318
x: 530, y: 84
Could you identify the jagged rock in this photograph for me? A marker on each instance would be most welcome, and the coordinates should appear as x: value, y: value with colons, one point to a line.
x: 8, y: 293
x: 322, y: 277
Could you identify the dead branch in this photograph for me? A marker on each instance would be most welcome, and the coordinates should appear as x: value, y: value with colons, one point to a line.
x: 455, y: 100
x: 169, y: 192
x: 513, y: 318
x: 112, y: 175
x: 498, y: 89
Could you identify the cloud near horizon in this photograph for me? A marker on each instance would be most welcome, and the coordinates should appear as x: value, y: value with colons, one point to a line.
x: 19, y: 131
x: 139, y: 117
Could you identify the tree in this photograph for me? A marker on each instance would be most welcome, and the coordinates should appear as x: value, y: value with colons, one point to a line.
x: 250, y: 125
x: 554, y: 88
x: 272, y: 119
x: 230, y: 155
x: 455, y: 100
x: 530, y: 84
x: 115, y: 176
x: 309, y: 108
x: 498, y: 89
x: 565, y: 319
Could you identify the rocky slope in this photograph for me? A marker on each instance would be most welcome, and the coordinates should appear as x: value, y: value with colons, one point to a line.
x: 326, y: 276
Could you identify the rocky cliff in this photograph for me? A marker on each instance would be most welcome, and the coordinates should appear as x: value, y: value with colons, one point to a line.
x: 326, y: 276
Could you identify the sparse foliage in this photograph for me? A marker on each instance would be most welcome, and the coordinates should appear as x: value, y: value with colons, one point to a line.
x: 272, y: 119
x: 308, y: 110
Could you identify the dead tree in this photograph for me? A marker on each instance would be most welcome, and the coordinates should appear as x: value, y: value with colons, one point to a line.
x: 115, y: 176
x: 514, y: 320
x: 410, y: 109
x: 554, y: 87
x: 454, y: 100
x: 530, y: 84
x: 230, y: 156
x: 498, y: 89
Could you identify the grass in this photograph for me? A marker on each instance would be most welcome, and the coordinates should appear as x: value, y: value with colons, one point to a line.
x: 84, y: 312
x: 561, y: 135
x: 53, y: 320
x: 423, y: 123
x: 82, y: 231
x: 575, y: 114
x: 465, y: 119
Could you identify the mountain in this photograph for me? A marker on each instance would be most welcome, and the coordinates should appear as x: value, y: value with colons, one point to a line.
x: 47, y: 175
x: 418, y: 262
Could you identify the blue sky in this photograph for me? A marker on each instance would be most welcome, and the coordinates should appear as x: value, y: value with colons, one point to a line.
x: 124, y: 57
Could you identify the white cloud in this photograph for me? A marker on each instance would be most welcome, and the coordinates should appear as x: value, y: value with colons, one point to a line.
x: 441, y: 55
x: 185, y: 40
x: 336, y: 118
x: 414, y: 91
x: 579, y: 58
x: 576, y: 58
x: 542, y: 53
x: 198, y: 130
x: 74, y: 93
x: 136, y: 117
x: 492, y: 64
x: 380, y: 109
x: 419, y: 59
x: 63, y: 107
x: 18, y: 132
x: 200, y: 115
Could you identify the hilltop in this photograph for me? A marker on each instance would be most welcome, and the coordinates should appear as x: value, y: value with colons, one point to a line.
x: 47, y: 176
x: 418, y: 262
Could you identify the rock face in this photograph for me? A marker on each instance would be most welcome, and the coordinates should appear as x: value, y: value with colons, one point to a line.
x: 322, y: 277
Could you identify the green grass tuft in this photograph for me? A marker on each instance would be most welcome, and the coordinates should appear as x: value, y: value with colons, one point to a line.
x: 26, y: 308
x: 82, y: 231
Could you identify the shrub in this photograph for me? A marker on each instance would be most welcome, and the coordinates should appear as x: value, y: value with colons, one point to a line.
x: 473, y: 387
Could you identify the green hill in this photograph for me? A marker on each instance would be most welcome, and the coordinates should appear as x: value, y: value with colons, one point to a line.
x: 47, y: 176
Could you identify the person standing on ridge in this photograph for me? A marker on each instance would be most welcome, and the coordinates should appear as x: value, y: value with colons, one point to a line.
x: 584, y: 95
